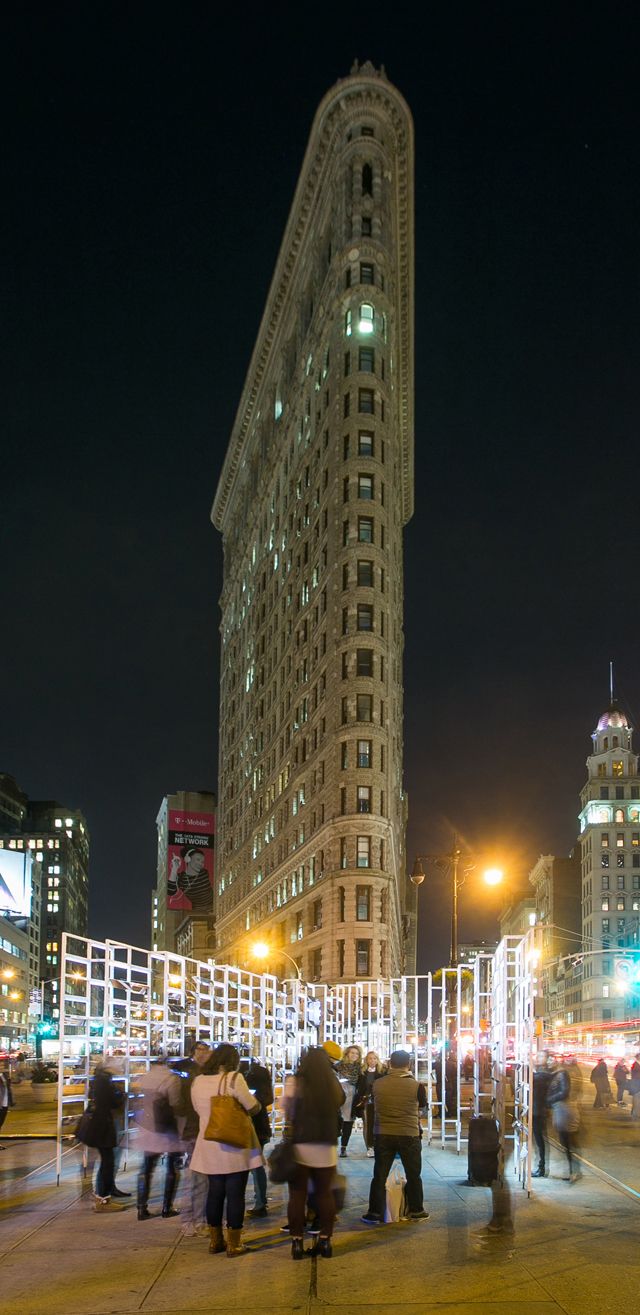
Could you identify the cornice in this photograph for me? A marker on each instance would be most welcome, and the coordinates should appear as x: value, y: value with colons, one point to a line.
x: 364, y: 90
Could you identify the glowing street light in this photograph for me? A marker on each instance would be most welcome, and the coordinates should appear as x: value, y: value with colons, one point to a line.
x: 261, y: 950
x: 450, y: 864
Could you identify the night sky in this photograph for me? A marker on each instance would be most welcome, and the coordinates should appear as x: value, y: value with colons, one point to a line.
x: 150, y: 157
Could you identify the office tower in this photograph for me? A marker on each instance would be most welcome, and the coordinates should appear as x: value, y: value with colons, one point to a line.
x: 315, y: 490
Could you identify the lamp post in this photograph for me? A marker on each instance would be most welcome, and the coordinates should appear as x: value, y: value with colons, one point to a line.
x: 449, y: 863
x: 261, y: 950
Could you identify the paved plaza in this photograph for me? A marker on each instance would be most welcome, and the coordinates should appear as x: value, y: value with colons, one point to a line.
x: 574, y: 1249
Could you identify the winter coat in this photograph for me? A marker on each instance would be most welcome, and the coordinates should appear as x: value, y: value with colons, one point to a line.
x: 258, y: 1080
x: 541, y: 1083
x: 156, y: 1097
x: 213, y: 1156
x: 106, y: 1099
x: 600, y: 1079
x: 187, y: 1070
x: 313, y: 1121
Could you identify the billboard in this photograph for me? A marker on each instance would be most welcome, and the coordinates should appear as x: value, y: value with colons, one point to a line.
x: 190, y: 861
x: 15, y: 881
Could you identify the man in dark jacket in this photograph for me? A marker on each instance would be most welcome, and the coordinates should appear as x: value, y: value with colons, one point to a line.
x: 258, y: 1080
x: 106, y: 1100
x: 194, y: 1206
x: 396, y: 1131
x: 541, y: 1080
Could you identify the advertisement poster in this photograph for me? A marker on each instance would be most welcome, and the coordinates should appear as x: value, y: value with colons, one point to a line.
x: 15, y: 882
x: 190, y: 861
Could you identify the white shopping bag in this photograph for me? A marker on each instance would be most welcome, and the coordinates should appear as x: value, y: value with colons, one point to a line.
x: 396, y: 1204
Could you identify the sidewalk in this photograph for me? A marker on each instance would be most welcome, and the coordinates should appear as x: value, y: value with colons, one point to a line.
x: 574, y: 1250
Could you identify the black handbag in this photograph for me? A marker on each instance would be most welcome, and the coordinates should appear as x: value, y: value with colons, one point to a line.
x: 282, y: 1162
x: 85, y: 1127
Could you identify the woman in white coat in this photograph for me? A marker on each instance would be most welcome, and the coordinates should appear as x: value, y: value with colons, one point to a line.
x: 227, y: 1167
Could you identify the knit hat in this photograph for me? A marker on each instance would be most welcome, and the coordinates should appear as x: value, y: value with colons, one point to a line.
x: 331, y: 1049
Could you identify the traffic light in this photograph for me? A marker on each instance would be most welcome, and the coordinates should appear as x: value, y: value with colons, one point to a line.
x: 627, y: 970
x: 47, y: 1027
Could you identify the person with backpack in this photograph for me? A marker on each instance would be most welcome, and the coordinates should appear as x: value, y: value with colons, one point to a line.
x: 156, y: 1109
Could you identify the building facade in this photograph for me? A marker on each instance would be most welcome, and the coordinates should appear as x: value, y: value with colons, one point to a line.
x: 610, y: 868
x: 558, y: 906
x: 51, y: 845
x: 182, y: 904
x: 14, y: 983
x: 316, y: 488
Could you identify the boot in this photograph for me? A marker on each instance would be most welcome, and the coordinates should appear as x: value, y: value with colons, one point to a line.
x: 144, y: 1187
x: 216, y: 1243
x: 235, y: 1245
x: 170, y: 1185
x: 297, y: 1248
x: 104, y: 1204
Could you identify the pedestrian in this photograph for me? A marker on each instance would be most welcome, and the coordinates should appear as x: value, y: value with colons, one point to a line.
x: 397, y: 1100
x: 540, y: 1113
x: 197, y: 1184
x: 156, y: 1111
x: 621, y: 1078
x: 312, y: 1106
x: 633, y: 1087
x: 226, y: 1166
x: 372, y: 1069
x: 6, y: 1097
x: 562, y: 1096
x: 635, y: 1067
x: 258, y: 1080
x: 349, y: 1070
x: 600, y: 1080
x: 106, y: 1103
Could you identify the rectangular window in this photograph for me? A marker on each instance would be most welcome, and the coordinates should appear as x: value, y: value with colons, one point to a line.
x: 345, y: 620
x: 345, y: 447
x: 621, y: 903
x: 364, y: 798
x: 345, y: 534
x: 345, y: 489
x: 602, y: 769
x: 620, y: 841
x: 363, y: 852
x: 316, y: 964
x: 604, y: 839
x: 345, y: 711
x: 604, y: 860
x: 365, y: 487
x: 364, y: 753
x: 363, y: 903
x: 365, y: 529
x: 617, y: 768
x: 366, y: 360
x: 605, y: 926
x: 366, y: 401
x: 341, y: 958
x: 366, y: 273
x: 343, y: 799
x: 364, y: 707
x: 343, y: 860
x: 365, y: 226
x: 344, y: 756
x: 363, y: 958
x: 365, y: 443
x: 605, y: 882
x: 365, y: 574
x: 346, y: 405
x: 364, y: 662
x: 345, y: 666
x: 605, y: 904
x: 365, y: 616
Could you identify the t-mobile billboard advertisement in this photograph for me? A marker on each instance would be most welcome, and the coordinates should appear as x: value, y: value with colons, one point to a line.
x: 190, y: 861
x: 15, y: 882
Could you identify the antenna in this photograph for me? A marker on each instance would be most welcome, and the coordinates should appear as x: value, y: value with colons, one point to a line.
x: 611, y: 700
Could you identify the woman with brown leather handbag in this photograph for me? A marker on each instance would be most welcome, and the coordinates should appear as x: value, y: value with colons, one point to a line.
x: 227, y: 1146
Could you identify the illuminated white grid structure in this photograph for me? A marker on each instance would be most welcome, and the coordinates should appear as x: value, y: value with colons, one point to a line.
x: 120, y: 1000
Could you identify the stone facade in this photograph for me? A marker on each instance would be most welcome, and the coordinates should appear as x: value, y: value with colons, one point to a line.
x: 610, y: 864
x: 315, y: 490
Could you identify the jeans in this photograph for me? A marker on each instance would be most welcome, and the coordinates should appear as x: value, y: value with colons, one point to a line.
x: 323, y: 1180
x: 386, y: 1148
x: 195, y: 1197
x: 230, y: 1187
x: 259, y: 1177
x: 539, y: 1129
x: 105, y: 1176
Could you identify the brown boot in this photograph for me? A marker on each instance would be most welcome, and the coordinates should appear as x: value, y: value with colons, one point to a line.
x: 216, y: 1242
x: 235, y: 1245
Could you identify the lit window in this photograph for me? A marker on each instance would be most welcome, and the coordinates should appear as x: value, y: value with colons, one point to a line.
x: 364, y: 753
x: 605, y: 904
x: 620, y: 841
x: 366, y: 321
x: 363, y: 852
x: 617, y: 768
x: 364, y: 798
x: 347, y: 322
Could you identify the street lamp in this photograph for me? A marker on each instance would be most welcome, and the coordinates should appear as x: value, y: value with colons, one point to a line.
x: 449, y: 863
x: 261, y: 950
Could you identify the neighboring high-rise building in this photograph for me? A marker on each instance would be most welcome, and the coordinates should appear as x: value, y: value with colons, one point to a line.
x: 182, y: 904
x: 14, y: 982
x: 44, y: 866
x: 557, y: 887
x: 610, y: 862
x: 316, y: 488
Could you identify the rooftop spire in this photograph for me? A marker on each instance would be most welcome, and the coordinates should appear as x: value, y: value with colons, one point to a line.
x: 611, y: 697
